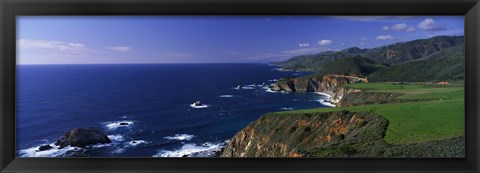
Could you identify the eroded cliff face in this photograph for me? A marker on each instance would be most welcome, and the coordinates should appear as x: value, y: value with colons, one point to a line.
x: 330, y: 84
x: 298, y: 135
x: 325, y: 83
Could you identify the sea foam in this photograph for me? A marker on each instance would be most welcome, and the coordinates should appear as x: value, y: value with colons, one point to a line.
x: 226, y: 96
x: 180, y: 137
x: 206, y: 149
x: 199, y: 107
x: 53, y: 152
x: 116, y: 124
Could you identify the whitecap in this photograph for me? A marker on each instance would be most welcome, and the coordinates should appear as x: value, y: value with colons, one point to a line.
x: 273, y: 80
x: 226, y: 96
x: 180, y: 137
x: 116, y: 137
x: 199, y: 107
x: 117, y: 124
x: 102, y: 145
x: 324, y: 94
x: 247, y: 88
x: 118, y: 151
x: 193, y: 150
x: 53, y: 152
x: 270, y: 90
x: 134, y: 143
x: 325, y: 102
x: 286, y: 108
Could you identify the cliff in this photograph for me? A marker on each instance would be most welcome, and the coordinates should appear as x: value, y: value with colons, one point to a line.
x: 330, y: 134
x: 298, y: 135
x: 330, y: 84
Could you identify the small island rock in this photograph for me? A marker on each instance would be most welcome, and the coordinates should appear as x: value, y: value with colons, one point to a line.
x: 44, y: 147
x: 80, y: 137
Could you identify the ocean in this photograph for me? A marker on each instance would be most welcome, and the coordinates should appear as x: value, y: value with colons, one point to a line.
x: 154, y: 100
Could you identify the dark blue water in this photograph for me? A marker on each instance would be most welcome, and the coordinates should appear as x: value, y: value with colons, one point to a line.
x: 154, y: 99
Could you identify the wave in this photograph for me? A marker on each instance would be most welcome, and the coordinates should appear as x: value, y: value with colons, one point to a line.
x: 180, y: 137
x: 207, y: 149
x: 226, y: 96
x: 116, y: 137
x: 324, y: 94
x: 273, y: 80
x: 199, y: 107
x: 325, y: 102
x: 248, y: 88
x: 270, y: 90
x: 134, y: 143
x: 53, y: 152
x: 118, y: 124
x: 130, y: 144
x: 286, y: 108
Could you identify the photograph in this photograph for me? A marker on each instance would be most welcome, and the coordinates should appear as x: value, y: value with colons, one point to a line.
x: 229, y: 86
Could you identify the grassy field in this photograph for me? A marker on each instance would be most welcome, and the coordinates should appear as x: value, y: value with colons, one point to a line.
x: 413, y: 122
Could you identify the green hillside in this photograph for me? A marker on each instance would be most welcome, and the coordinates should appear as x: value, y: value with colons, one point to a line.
x: 352, y: 66
x: 390, y: 54
x: 440, y: 118
x: 435, y: 59
x: 444, y: 65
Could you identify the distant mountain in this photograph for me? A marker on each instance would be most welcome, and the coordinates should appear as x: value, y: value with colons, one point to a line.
x: 390, y: 54
x: 356, y: 65
x: 434, y: 59
x: 317, y: 61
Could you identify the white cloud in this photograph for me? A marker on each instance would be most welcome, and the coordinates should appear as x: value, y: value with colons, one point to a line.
x: 385, y: 28
x: 363, y: 38
x: 385, y: 37
x: 430, y: 25
x: 123, y: 49
x: 410, y: 29
x: 303, y: 44
x: 325, y: 42
x: 399, y: 27
x: 53, y: 45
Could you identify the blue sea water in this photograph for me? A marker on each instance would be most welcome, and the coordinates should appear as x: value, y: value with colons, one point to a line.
x: 154, y: 99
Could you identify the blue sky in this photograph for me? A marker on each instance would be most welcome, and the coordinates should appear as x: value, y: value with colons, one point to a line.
x: 212, y: 39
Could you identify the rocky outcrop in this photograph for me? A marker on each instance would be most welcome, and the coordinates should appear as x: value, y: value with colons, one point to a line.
x: 81, y: 137
x: 298, y: 135
x: 325, y: 83
x: 330, y: 84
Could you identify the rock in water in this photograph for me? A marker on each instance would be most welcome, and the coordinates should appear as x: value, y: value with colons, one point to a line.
x: 81, y: 137
x: 44, y: 147
x: 123, y: 124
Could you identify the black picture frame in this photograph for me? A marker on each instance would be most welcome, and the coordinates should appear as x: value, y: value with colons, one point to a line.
x: 11, y: 8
